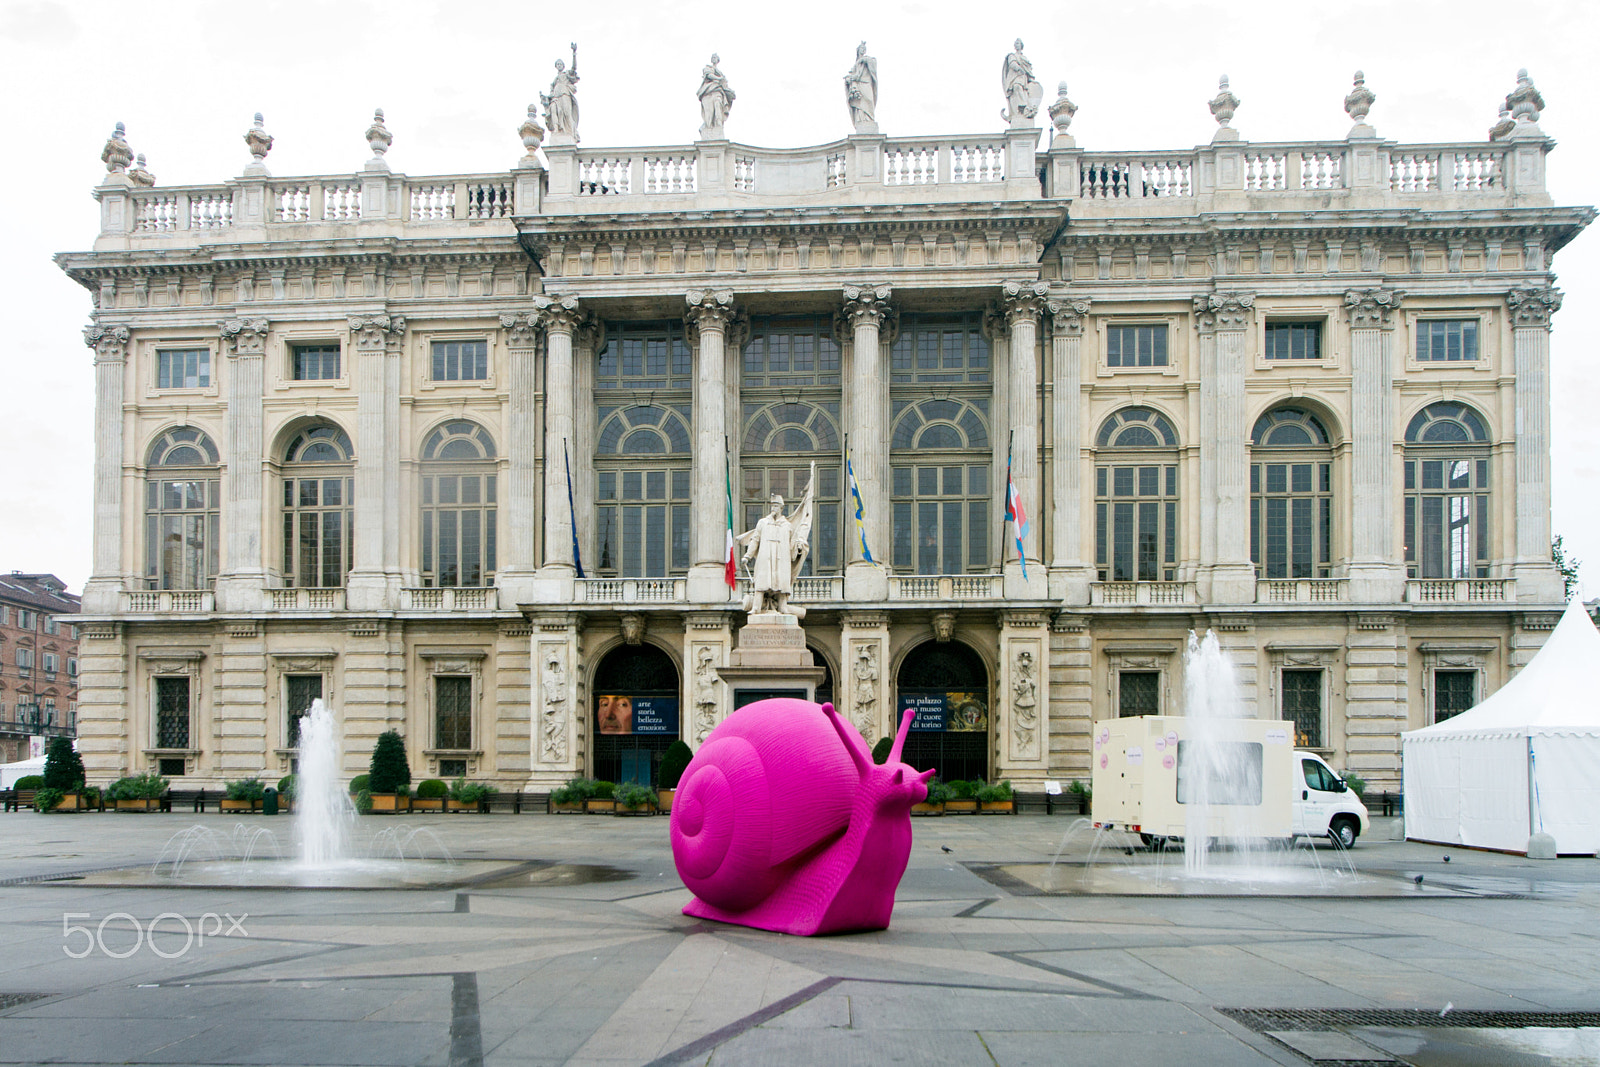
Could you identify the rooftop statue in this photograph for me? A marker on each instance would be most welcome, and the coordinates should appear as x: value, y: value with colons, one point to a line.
x: 861, y: 91
x: 716, y: 98
x: 1022, y: 89
x: 776, y: 550
x: 561, y: 103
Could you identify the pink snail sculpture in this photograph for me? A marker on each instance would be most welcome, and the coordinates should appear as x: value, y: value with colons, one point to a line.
x: 783, y: 822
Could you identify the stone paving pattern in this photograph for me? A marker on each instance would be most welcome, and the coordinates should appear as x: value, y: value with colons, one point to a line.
x: 550, y: 966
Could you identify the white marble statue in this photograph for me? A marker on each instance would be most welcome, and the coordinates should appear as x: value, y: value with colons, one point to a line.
x: 716, y: 97
x: 561, y: 103
x: 1023, y: 91
x: 775, y: 551
x: 861, y: 90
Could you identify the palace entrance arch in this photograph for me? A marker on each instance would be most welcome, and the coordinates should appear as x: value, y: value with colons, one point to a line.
x: 948, y: 685
x: 634, y: 714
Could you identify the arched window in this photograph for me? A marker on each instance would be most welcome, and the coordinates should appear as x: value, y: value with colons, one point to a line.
x: 183, y: 502
x: 1136, y: 498
x: 458, y: 505
x: 643, y: 517
x: 940, y: 453
x: 948, y: 685
x: 781, y: 441
x: 636, y: 714
x: 1447, y: 493
x: 318, y: 507
x: 1291, y: 495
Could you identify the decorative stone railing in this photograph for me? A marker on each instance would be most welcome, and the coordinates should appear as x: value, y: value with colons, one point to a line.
x: 632, y: 590
x: 1461, y: 590
x: 449, y: 599
x: 175, y: 601
x: 810, y: 589
x: 1302, y: 591
x: 945, y: 587
x: 1115, y: 594
x: 307, y: 599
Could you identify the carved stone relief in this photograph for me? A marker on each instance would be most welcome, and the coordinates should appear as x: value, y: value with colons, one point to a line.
x: 707, y: 698
x: 553, y: 710
x: 864, y: 693
x: 1025, y: 703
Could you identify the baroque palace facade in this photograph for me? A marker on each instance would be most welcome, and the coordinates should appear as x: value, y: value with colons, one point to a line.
x: 455, y: 453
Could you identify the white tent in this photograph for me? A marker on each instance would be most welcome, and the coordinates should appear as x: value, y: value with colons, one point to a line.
x: 10, y: 772
x: 1525, y: 761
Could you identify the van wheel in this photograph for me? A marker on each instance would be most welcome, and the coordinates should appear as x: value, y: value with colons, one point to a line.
x: 1343, y: 831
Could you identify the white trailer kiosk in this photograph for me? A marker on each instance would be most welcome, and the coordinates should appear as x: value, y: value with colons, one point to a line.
x: 1151, y: 773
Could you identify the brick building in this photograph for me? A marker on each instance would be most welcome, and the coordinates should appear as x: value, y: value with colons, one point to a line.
x: 38, y: 661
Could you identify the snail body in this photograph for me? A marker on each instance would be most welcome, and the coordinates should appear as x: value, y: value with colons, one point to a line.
x: 783, y: 822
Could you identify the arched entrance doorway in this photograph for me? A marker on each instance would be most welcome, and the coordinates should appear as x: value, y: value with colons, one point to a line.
x: 634, y: 714
x: 948, y: 685
x: 824, y: 687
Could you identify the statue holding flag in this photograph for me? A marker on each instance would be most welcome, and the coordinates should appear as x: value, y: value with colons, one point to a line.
x: 775, y: 551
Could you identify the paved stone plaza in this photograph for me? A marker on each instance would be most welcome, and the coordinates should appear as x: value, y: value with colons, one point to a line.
x: 572, y: 950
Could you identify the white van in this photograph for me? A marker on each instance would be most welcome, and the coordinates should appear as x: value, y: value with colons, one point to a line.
x: 1324, y: 806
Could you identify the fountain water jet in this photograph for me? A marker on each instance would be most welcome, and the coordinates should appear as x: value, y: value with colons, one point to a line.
x: 1210, y: 695
x: 323, y: 812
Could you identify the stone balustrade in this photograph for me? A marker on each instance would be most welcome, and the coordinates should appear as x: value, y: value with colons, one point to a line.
x: 168, y: 602
x: 1461, y: 591
x: 1302, y: 591
x: 455, y: 599
x: 1130, y: 594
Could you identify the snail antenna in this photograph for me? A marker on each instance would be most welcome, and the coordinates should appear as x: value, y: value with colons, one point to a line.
x: 900, y: 736
x: 851, y: 739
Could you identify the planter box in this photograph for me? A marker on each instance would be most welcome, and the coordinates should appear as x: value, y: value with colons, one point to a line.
x: 996, y: 807
x: 664, y: 799
x: 143, y: 804
x: 595, y: 805
x: 462, y: 805
x: 390, y: 803
x: 574, y: 808
x: 928, y: 809
x: 645, y: 809
x: 426, y: 803
x: 69, y: 802
x: 241, y: 805
x: 960, y: 807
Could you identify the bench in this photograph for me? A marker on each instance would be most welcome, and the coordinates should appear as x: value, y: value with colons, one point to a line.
x: 17, y: 799
x: 195, y: 798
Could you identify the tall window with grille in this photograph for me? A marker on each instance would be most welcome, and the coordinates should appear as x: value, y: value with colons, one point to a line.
x: 1138, y: 693
x: 299, y: 691
x: 790, y: 405
x: 1453, y: 693
x: 459, y: 505
x: 644, y: 512
x: 1291, y: 495
x: 1136, y: 498
x: 452, y: 712
x: 183, y: 506
x: 318, y: 508
x: 1302, y: 705
x: 172, y: 712
x: 1447, y: 493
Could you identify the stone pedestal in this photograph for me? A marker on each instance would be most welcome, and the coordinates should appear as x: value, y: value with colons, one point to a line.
x: 770, y: 659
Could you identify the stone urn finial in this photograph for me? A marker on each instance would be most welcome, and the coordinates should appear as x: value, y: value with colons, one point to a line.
x: 378, y: 136
x: 1503, y: 125
x: 1224, y: 104
x: 260, y: 142
x: 140, y: 175
x: 1061, y: 111
x: 531, y: 132
x: 117, y: 155
x: 1360, y: 99
x: 1524, y: 102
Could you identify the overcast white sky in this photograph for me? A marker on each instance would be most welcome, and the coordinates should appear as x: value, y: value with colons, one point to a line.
x: 455, y: 80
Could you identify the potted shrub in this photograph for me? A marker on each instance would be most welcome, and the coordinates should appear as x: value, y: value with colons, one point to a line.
x: 603, y: 800
x: 996, y: 798
x: 286, y: 787
x: 63, y: 772
x: 389, y: 776
x: 1084, y: 794
x: 46, y: 799
x: 634, y: 798
x: 881, y: 750
x: 243, y: 795
x: 962, y: 798
x: 431, y: 793
x: 674, y: 761
x: 359, y: 783
x: 938, y: 792
x: 138, y: 792
x: 24, y: 790
x: 571, y: 797
x: 469, y: 796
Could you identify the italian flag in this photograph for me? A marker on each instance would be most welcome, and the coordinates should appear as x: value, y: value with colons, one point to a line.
x: 730, y: 570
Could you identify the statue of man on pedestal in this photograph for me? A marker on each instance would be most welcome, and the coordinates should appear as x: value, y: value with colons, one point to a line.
x: 561, y: 103
x: 776, y: 551
x: 861, y: 90
x: 1023, y: 91
x: 716, y: 97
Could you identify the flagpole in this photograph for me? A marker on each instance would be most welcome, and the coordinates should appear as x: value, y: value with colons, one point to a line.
x: 1005, y: 501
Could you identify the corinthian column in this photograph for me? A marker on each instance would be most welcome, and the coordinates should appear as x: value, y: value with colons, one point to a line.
x: 709, y: 315
x: 1070, y: 575
x: 1022, y: 303
x: 240, y: 586
x: 1537, y: 579
x: 868, y: 313
x: 518, y: 500
x: 1227, y: 575
x: 374, y: 582
x: 560, y: 316
x: 110, y: 344
x: 1376, y: 573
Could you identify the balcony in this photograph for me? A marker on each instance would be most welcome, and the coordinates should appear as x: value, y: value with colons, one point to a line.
x: 307, y: 599
x: 169, y: 601
x: 1129, y: 594
x: 1461, y: 591
x: 808, y: 590
x: 1302, y: 591
x: 945, y: 587
x: 632, y: 590
x: 449, y: 599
